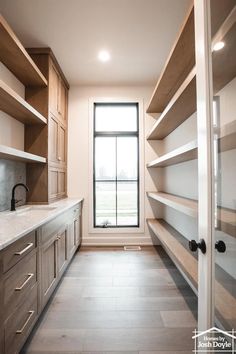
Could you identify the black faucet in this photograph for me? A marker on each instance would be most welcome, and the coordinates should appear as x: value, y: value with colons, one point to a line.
x: 13, y: 200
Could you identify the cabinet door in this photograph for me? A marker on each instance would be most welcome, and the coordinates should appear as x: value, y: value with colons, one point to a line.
x: 61, y: 145
x: 54, y: 82
x: 53, y: 140
x: 53, y: 183
x: 62, y: 250
x: 61, y: 183
x: 77, y: 230
x: 49, y: 269
x: 62, y: 102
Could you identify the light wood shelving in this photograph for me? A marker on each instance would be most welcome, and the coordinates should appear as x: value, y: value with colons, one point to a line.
x: 226, y: 218
x: 14, y: 105
x: 181, y: 107
x: 227, y: 137
x: 223, y: 61
x: 226, y: 141
x: 177, y: 66
x: 183, y: 103
x: 18, y: 155
x: 184, y: 205
x: 14, y: 56
x: 176, y: 245
x: 182, y: 154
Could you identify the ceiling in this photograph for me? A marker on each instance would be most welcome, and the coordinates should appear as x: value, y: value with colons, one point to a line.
x: 138, y: 34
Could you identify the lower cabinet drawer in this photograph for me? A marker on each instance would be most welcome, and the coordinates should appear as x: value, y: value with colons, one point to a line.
x: 20, y: 323
x: 18, y: 281
x: 18, y: 250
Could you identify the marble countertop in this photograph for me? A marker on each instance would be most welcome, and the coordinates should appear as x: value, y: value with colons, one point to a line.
x: 15, y: 224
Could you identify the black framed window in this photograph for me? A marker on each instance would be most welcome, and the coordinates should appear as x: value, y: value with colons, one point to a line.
x: 116, y: 165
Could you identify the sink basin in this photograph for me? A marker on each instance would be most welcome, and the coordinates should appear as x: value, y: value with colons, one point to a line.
x: 21, y: 211
x: 42, y: 207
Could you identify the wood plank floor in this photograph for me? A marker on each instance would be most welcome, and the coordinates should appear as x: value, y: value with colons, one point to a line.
x: 113, y: 301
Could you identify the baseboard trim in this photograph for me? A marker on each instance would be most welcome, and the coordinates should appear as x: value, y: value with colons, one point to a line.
x: 117, y: 241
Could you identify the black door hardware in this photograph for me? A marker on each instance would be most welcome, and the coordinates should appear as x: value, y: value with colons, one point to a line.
x: 194, y: 245
x: 220, y: 246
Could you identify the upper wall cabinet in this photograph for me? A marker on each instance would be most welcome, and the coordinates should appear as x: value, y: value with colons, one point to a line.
x: 50, y: 182
x: 57, y: 94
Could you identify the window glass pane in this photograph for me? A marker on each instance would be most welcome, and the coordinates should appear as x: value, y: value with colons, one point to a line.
x: 127, y: 211
x: 105, y: 158
x: 105, y: 203
x: 115, y: 118
x: 127, y: 158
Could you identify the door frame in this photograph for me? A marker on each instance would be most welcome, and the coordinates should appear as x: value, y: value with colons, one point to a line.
x: 205, y: 163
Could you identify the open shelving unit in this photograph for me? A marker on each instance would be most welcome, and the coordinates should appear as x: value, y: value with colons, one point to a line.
x: 184, y: 205
x: 19, y: 155
x: 181, y: 107
x: 14, y: 105
x: 174, y: 99
x: 182, y: 154
x: 226, y: 218
x: 176, y: 245
x: 226, y: 137
x: 14, y: 56
x: 177, y: 66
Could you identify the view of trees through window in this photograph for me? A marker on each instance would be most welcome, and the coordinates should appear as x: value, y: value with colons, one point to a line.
x: 116, y: 170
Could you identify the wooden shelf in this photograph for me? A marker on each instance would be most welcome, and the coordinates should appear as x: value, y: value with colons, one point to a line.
x: 224, y: 60
x: 177, y: 66
x: 184, y: 205
x: 176, y: 245
x: 227, y: 137
x: 14, y: 105
x: 184, y: 153
x: 226, y: 141
x: 14, y: 56
x: 181, y: 107
x: 226, y: 218
x: 18, y: 155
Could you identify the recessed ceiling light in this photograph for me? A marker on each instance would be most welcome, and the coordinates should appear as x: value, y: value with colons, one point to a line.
x: 218, y: 46
x: 104, y: 56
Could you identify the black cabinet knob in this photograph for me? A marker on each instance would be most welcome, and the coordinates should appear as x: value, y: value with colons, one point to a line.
x: 194, y: 245
x: 220, y: 246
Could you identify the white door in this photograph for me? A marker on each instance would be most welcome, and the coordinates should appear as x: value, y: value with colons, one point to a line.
x: 215, y: 29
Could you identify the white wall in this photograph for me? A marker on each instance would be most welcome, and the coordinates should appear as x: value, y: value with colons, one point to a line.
x: 78, y: 156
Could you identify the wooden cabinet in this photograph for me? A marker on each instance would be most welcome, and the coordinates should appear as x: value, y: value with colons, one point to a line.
x: 57, y: 188
x: 48, y: 269
x: 54, y: 82
x: 30, y: 270
x: 20, y: 323
x: 62, y: 250
x: 18, y: 292
x: 57, y: 142
x: 50, y: 182
x: 57, y: 93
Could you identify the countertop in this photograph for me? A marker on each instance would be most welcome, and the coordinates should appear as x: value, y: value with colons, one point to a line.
x: 15, y: 224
